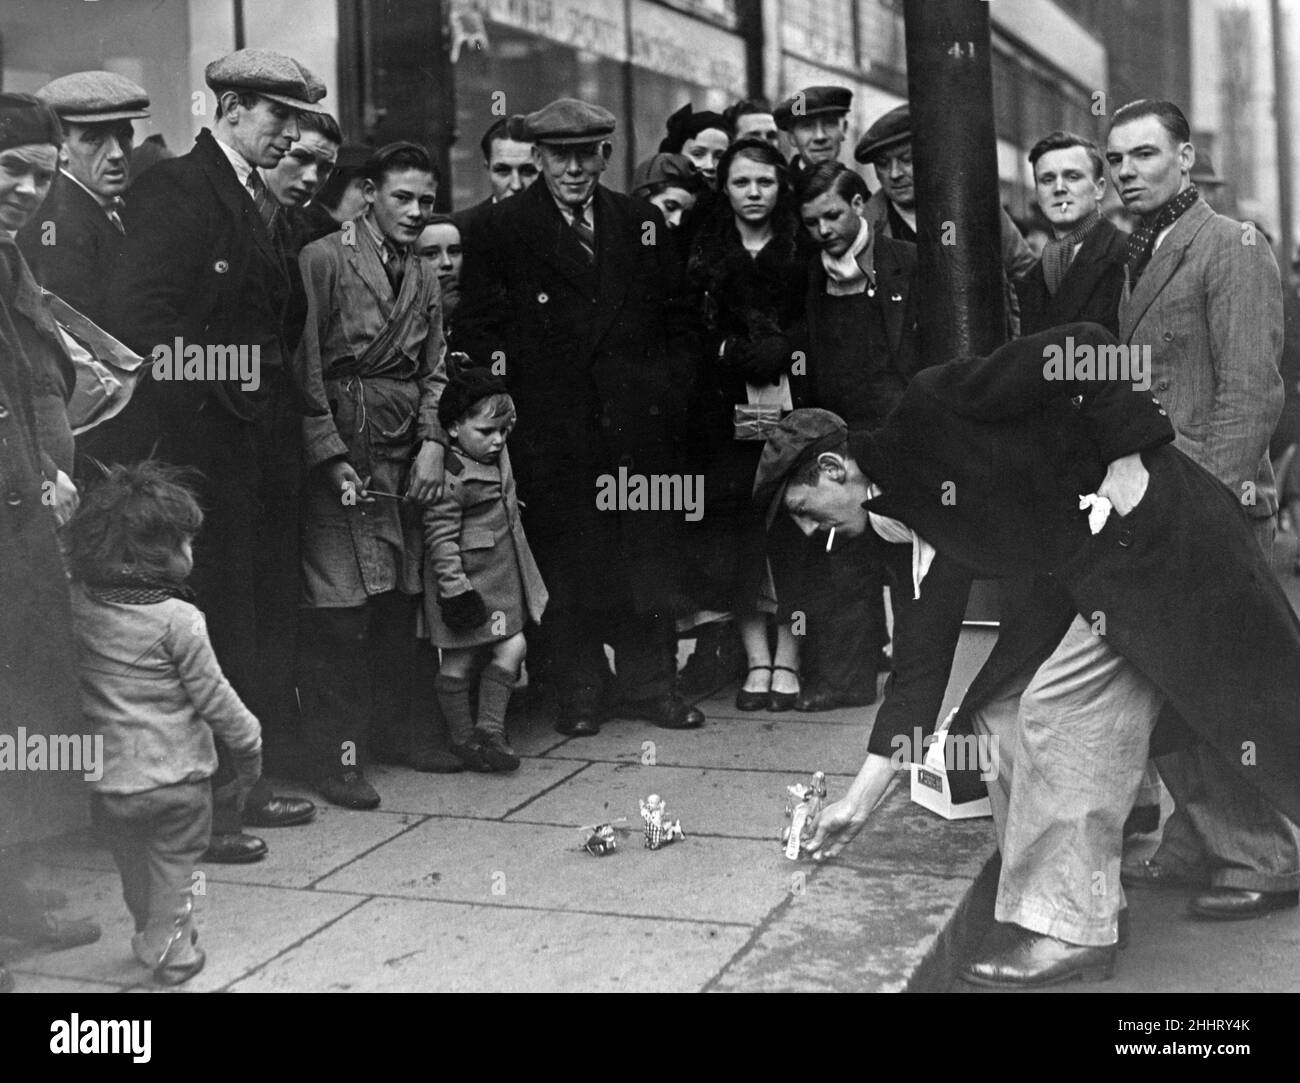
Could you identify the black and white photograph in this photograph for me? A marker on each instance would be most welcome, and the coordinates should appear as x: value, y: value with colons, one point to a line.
x: 661, y: 496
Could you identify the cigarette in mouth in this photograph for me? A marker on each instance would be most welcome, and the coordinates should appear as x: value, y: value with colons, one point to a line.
x: 830, y: 539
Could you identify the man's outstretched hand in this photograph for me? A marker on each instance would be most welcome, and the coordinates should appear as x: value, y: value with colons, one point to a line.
x: 831, y: 828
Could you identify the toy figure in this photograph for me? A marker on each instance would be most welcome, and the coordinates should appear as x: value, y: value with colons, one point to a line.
x: 802, y: 807
x: 657, y: 829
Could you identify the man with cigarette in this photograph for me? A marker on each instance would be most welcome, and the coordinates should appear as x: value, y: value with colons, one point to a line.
x: 1109, y: 635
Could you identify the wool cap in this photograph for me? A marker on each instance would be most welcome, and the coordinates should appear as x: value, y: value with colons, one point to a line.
x: 272, y: 75
x: 567, y: 121
x: 95, y: 97
x: 812, y: 101
x: 25, y: 119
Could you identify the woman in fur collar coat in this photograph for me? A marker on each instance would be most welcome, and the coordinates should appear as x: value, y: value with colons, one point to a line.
x: 748, y: 267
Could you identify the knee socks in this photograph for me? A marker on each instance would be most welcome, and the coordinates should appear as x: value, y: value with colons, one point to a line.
x: 453, y: 697
x: 494, y: 691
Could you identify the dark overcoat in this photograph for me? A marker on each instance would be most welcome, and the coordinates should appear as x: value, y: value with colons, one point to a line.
x: 1185, y: 592
x: 38, y: 677
x: 865, y: 393
x: 199, y: 264
x: 1089, y: 292
x: 81, y: 262
x: 594, y: 356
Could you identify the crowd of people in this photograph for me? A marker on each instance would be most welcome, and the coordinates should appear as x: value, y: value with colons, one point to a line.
x: 568, y: 423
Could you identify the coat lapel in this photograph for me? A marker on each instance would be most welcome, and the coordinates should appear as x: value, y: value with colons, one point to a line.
x: 892, y: 281
x: 364, y: 258
x: 1135, y: 302
x: 552, y: 239
x: 1081, y: 277
x: 212, y: 160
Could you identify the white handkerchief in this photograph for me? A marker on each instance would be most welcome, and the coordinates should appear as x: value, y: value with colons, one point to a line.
x: 1098, y: 511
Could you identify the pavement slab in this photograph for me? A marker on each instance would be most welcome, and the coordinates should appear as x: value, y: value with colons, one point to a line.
x: 473, y: 794
x: 406, y: 945
x: 539, y: 867
x: 240, y: 926
x: 708, y: 801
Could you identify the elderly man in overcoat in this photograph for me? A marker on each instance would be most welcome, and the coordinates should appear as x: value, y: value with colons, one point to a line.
x: 567, y: 293
x: 1203, y: 298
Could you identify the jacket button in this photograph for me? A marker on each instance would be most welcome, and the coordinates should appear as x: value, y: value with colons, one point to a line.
x: 1168, y: 336
x: 1162, y: 385
x: 4, y: 411
x: 1163, y: 412
x: 1125, y: 537
x: 14, y: 498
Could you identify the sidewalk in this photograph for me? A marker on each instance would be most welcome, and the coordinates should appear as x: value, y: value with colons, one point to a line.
x: 477, y: 882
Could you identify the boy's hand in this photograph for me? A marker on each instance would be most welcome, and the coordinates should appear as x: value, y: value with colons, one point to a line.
x: 343, y: 478
x: 425, y: 484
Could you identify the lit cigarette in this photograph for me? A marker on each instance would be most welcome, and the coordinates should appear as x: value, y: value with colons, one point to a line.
x: 830, y: 539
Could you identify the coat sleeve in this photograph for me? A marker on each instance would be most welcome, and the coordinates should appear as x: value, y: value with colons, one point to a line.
x: 1018, y: 379
x: 212, y: 695
x: 1243, y: 315
x: 433, y: 371
x: 442, y: 523
x: 321, y: 439
x: 484, y: 297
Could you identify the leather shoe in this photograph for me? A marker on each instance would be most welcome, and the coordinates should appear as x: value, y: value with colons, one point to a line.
x: 1238, y: 904
x: 280, y: 812
x: 827, y: 699
x: 1032, y: 959
x: 1151, y: 873
x: 234, y: 849
x: 495, y: 749
x: 670, y: 712
x: 577, y: 725
x: 349, y: 790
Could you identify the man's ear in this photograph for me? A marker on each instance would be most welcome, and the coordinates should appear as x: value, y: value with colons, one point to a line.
x: 832, y: 466
x: 369, y: 190
x: 1187, y: 157
x: 224, y: 102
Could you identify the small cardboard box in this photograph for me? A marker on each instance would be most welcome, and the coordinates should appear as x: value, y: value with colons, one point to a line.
x: 956, y: 795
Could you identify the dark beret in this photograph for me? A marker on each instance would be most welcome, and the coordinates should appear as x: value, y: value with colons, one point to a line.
x: 567, y: 121
x: 810, y: 102
x: 686, y: 124
x: 889, y: 130
x: 272, y: 75
x: 95, y: 97
x: 26, y: 119
x: 668, y: 169
x: 463, y: 390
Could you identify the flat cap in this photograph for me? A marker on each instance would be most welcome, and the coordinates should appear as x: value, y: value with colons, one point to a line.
x: 568, y: 121
x: 26, y: 119
x: 95, y: 97
x: 1203, y: 170
x: 810, y: 102
x: 272, y: 75
x: 800, y: 435
x: 674, y: 170
x: 888, y: 130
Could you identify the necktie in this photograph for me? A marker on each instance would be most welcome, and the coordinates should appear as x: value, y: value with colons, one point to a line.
x: 262, y: 199
x: 395, y: 268
x: 113, y: 210
x: 586, y: 235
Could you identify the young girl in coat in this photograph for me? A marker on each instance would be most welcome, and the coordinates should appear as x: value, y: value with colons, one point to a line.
x: 482, y: 584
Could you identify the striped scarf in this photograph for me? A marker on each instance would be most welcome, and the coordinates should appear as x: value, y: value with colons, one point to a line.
x: 1058, y: 253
